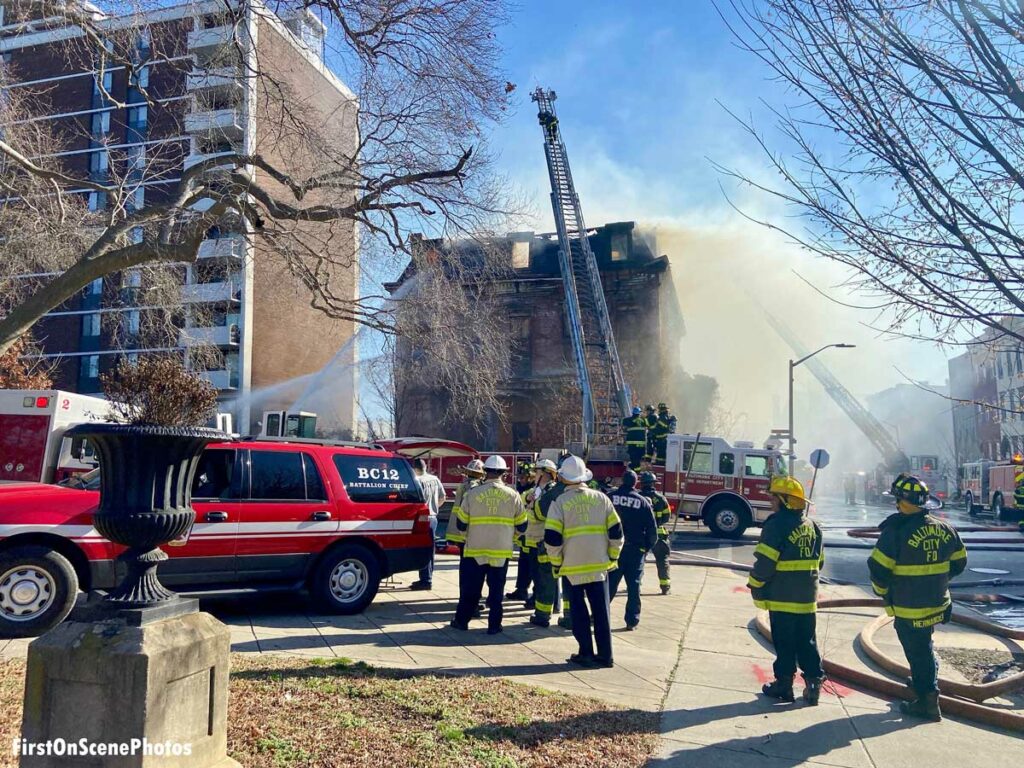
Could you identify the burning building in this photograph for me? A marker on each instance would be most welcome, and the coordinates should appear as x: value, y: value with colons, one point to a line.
x: 540, y: 392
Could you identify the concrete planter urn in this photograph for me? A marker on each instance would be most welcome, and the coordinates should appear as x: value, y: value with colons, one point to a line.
x: 146, y: 477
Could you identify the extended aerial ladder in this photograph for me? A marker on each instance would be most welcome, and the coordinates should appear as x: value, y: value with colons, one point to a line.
x: 606, y: 396
x: 895, y: 459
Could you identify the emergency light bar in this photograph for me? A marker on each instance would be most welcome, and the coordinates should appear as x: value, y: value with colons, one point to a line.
x: 35, y: 402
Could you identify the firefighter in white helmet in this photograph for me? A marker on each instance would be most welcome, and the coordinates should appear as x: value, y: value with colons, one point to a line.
x: 472, y: 474
x: 583, y: 537
x: 489, y: 519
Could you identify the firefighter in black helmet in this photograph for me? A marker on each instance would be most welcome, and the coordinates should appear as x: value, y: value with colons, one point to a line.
x: 635, y: 433
x: 663, y: 426
x: 662, y: 513
x: 651, y: 418
x: 911, y: 567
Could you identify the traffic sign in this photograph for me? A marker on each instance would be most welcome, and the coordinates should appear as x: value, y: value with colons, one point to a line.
x: 820, y: 458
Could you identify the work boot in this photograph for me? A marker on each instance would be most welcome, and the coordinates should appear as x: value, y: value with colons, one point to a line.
x: 530, y: 604
x: 925, y: 706
x: 540, y: 621
x: 516, y: 595
x: 565, y: 622
x: 779, y: 689
x: 812, y: 689
x: 665, y: 589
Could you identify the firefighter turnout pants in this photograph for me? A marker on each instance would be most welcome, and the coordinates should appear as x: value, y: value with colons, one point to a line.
x: 524, y: 571
x: 586, y: 601
x: 637, y: 454
x: 920, y: 653
x: 472, y: 577
x: 631, y: 569
x: 793, y: 635
x: 662, y: 550
x: 545, y: 590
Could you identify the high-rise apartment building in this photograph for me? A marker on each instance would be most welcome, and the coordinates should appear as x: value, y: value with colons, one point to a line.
x: 208, y: 79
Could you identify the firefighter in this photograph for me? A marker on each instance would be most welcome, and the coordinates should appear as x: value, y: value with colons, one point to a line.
x: 651, y: 419
x: 662, y: 513
x: 545, y: 589
x: 489, y: 518
x: 664, y: 425
x: 472, y: 474
x: 641, y: 533
x: 911, y: 567
x: 784, y: 582
x: 1018, y: 493
x: 635, y: 432
x: 583, y: 536
x: 524, y: 574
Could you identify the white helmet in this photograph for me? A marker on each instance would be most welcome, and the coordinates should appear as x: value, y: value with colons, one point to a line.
x: 574, y: 470
x: 475, y: 468
x: 547, y: 465
x: 496, y: 463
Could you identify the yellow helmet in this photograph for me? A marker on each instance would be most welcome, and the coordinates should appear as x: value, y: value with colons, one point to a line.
x: 791, y: 489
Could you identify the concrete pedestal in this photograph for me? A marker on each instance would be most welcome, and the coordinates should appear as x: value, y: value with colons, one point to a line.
x: 160, y: 689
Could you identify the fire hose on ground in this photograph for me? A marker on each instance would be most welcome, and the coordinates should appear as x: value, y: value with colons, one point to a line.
x: 950, y: 690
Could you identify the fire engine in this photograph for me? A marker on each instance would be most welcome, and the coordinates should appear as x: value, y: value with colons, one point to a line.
x: 32, y: 426
x: 989, y: 485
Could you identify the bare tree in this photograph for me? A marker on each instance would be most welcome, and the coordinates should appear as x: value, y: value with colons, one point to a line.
x: 427, y: 81
x: 905, y: 150
x: 158, y: 391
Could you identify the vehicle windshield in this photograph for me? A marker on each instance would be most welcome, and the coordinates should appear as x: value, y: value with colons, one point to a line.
x: 780, y: 465
x: 87, y: 481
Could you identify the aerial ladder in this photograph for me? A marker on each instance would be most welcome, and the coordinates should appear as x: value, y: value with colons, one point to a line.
x: 606, y: 395
x: 895, y: 459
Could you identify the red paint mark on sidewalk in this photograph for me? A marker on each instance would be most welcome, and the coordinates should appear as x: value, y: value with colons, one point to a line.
x: 838, y: 690
x: 740, y: 589
x: 762, y: 674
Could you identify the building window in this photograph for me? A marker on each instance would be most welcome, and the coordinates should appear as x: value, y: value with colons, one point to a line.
x: 91, y: 325
x: 101, y: 123
x: 90, y: 367
x: 619, y: 247
x: 131, y: 322
x: 99, y: 165
x: 95, y: 288
x: 999, y: 366
x: 138, y: 118
x: 521, y: 255
x: 97, y: 201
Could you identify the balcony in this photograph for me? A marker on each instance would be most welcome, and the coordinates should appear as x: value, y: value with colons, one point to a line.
x: 196, y: 158
x: 223, y: 79
x: 205, y: 293
x: 225, y: 123
x: 221, y: 379
x: 206, y: 42
x: 224, y: 247
x: 217, y: 336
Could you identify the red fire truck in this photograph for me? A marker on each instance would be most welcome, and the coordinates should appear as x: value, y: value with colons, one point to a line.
x: 32, y: 426
x: 988, y: 485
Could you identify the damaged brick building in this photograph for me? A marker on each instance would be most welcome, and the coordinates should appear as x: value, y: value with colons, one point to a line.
x: 540, y: 393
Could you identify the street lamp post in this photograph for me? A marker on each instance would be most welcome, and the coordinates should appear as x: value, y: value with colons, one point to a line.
x: 793, y: 364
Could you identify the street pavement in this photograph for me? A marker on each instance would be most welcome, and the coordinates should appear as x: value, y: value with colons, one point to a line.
x: 696, y: 657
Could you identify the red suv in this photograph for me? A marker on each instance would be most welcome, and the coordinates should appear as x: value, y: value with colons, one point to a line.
x: 330, y: 518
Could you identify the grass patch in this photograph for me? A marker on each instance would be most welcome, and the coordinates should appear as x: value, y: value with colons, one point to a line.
x: 286, y: 711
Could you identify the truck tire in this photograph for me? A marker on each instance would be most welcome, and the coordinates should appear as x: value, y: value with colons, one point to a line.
x: 346, y: 580
x: 38, y: 589
x: 969, y: 504
x: 727, y: 520
x: 997, y: 505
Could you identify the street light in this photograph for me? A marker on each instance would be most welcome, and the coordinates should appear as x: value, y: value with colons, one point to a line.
x: 792, y: 365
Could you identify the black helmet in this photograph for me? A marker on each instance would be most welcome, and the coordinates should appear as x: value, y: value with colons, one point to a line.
x: 648, y: 480
x: 910, y: 489
x: 649, y: 408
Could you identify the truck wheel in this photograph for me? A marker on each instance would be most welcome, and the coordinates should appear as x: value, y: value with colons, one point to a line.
x: 38, y: 588
x: 346, y: 580
x: 969, y: 504
x: 997, y: 505
x: 728, y: 520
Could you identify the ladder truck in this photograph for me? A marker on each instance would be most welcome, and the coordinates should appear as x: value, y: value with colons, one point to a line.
x: 605, y: 392
x: 895, y: 459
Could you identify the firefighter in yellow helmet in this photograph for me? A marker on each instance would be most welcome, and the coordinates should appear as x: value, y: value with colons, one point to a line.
x: 911, y: 566
x: 784, y: 582
x: 1018, y: 493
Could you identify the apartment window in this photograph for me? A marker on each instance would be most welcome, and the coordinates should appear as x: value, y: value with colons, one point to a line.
x: 95, y: 288
x: 97, y: 201
x: 138, y: 118
x: 91, y: 325
x: 136, y: 158
x: 133, y: 279
x: 90, y: 367
x: 98, y: 97
x: 619, y: 247
x: 521, y: 255
x: 131, y: 321
x: 99, y: 164
x: 101, y: 123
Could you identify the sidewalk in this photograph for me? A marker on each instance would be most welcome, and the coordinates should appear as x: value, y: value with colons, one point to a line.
x: 714, y: 715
